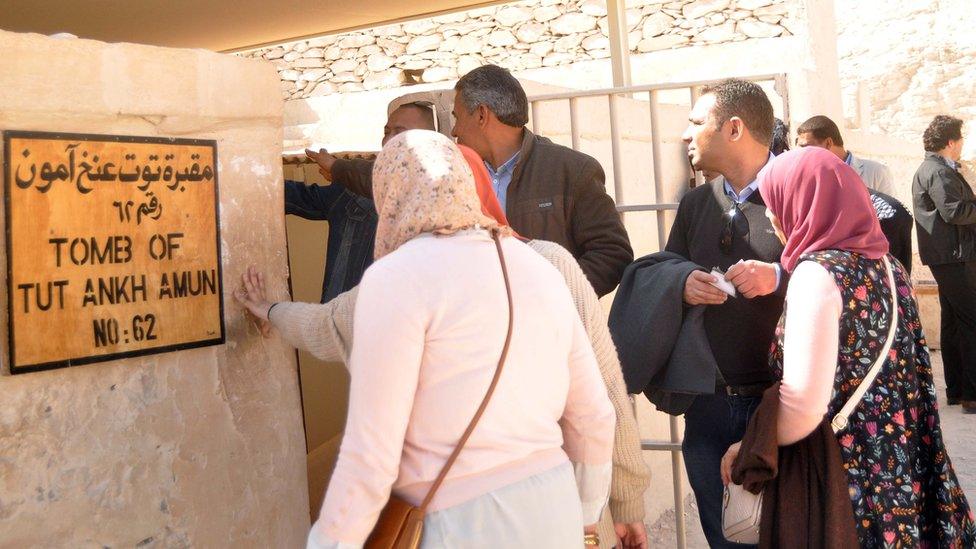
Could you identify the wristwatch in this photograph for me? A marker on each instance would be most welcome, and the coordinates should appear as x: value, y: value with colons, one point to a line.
x: 591, y: 539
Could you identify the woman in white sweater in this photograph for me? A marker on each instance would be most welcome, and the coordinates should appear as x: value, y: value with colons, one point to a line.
x: 430, y: 322
x: 325, y: 331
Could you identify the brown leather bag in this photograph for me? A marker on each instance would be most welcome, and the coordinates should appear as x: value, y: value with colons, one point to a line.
x: 401, y: 525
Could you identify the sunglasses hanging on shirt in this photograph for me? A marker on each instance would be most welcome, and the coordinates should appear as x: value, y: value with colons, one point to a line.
x: 736, y: 224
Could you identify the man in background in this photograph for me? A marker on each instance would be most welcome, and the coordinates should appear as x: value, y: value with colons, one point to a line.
x: 821, y: 131
x: 945, y: 215
x: 352, y: 218
x: 896, y: 222
x: 548, y: 191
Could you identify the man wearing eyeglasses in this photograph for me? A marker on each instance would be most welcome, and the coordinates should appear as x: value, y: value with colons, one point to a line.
x: 723, y: 225
x: 352, y: 218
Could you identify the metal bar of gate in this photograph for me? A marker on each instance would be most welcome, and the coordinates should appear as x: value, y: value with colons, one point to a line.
x: 574, y: 130
x: 618, y: 179
x: 630, y: 90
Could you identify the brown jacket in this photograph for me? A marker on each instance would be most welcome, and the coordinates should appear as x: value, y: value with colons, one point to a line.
x: 558, y: 194
x: 806, y: 503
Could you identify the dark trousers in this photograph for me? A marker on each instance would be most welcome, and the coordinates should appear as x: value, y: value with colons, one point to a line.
x: 957, y: 296
x: 712, y: 424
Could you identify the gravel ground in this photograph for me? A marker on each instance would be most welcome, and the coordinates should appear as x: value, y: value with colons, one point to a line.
x: 960, y: 435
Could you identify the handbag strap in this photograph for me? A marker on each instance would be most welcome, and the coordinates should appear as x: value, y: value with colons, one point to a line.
x: 491, y: 388
x: 839, y: 423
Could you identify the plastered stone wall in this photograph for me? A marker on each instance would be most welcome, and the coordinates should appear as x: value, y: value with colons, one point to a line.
x: 198, y: 448
x: 917, y: 60
x: 903, y: 62
x: 518, y: 36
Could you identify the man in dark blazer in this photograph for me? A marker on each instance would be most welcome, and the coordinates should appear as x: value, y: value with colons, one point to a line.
x: 945, y: 216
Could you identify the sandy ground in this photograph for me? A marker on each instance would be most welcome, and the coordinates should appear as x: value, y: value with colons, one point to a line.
x: 960, y: 436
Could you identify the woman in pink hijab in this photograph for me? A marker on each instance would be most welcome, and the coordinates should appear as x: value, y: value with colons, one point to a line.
x: 837, y: 321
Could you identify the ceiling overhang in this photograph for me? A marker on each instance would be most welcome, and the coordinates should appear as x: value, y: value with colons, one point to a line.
x: 218, y: 25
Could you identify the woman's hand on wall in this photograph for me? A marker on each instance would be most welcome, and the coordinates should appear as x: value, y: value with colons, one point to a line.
x: 252, y: 296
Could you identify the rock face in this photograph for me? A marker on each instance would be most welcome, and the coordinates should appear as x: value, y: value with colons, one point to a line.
x: 517, y: 36
x: 194, y: 448
x: 903, y: 77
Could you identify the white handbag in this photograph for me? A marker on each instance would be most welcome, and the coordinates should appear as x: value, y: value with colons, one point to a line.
x: 741, y: 509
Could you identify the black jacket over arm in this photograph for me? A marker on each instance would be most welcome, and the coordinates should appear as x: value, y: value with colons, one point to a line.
x: 945, y: 213
x: 740, y: 331
x: 661, y: 341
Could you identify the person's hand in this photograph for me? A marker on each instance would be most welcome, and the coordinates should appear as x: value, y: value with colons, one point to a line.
x: 699, y: 290
x: 590, y: 530
x: 251, y: 295
x: 752, y: 278
x: 727, y: 460
x: 324, y: 160
x: 631, y: 535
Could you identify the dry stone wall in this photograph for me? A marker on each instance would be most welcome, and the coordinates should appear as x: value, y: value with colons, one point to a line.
x: 519, y: 36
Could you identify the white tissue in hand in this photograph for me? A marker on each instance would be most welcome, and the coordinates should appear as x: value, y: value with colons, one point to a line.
x: 721, y: 283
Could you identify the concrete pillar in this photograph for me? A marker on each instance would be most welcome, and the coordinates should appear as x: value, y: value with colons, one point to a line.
x: 814, y: 80
x: 619, y: 46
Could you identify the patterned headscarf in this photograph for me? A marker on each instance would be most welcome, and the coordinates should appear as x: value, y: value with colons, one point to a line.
x: 422, y: 184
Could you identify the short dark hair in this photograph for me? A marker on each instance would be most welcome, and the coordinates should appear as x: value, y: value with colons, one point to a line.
x: 495, y: 88
x: 821, y: 127
x: 943, y: 129
x: 746, y: 100
x: 426, y: 110
x: 780, y: 143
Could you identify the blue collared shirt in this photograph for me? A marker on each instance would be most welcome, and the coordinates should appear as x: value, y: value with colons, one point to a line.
x: 745, y: 194
x: 849, y: 159
x: 502, y: 178
x: 742, y: 196
x: 752, y: 187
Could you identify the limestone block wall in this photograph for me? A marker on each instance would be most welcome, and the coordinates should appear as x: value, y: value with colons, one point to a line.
x: 518, y: 36
x: 197, y: 448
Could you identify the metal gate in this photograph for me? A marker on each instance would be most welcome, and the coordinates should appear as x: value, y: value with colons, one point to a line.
x: 653, y: 93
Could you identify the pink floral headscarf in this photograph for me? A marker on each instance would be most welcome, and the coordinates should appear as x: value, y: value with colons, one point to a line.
x: 822, y: 204
x: 423, y: 184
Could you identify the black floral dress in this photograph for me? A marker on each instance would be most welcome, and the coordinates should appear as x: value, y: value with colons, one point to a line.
x: 902, y: 485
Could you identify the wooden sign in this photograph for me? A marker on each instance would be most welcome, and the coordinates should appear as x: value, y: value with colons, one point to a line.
x: 113, y: 247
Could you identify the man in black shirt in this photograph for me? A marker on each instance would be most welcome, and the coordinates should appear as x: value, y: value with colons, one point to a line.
x: 945, y: 216
x: 347, y: 203
x: 723, y: 224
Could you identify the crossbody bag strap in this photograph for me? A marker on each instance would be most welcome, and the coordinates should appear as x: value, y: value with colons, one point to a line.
x: 491, y: 388
x: 840, y: 420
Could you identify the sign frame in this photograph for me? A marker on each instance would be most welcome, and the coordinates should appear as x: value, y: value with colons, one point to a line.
x: 92, y: 359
